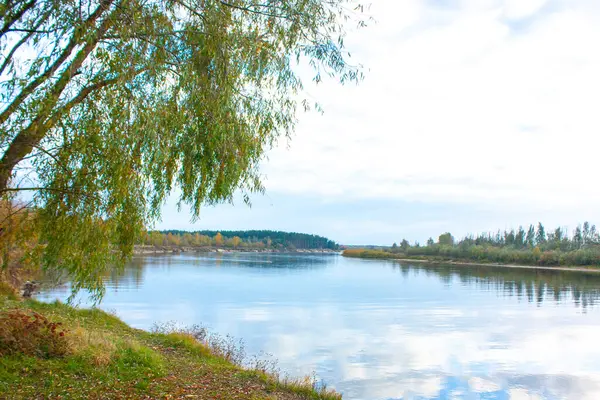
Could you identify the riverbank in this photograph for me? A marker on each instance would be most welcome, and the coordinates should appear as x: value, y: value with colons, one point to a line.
x: 57, y: 351
x: 384, y: 255
x: 148, y: 250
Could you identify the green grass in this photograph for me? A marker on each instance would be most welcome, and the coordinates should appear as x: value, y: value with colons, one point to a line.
x: 364, y: 253
x: 108, y: 359
x: 449, y: 259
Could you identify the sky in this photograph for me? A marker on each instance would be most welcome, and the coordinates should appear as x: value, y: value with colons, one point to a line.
x: 474, y: 115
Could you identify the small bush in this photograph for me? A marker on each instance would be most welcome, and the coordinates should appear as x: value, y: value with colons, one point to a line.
x: 32, y: 334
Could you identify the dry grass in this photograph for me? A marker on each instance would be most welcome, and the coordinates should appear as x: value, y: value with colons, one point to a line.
x: 98, y: 346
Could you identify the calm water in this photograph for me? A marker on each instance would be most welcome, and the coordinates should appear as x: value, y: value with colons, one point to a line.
x: 383, y: 330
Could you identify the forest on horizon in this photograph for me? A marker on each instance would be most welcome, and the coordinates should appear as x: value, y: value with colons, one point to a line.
x: 252, y: 239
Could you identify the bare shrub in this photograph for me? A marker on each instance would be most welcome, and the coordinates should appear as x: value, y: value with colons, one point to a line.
x: 32, y: 334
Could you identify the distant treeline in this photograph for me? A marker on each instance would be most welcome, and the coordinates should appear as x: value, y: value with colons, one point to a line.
x: 255, y: 239
x: 533, y: 246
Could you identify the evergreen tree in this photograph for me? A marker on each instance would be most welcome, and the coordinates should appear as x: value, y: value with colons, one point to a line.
x: 578, y: 237
x: 404, y: 245
x: 499, y: 240
x: 540, y: 236
x: 530, y: 239
x: 586, y: 233
x: 509, y: 238
x: 520, y: 238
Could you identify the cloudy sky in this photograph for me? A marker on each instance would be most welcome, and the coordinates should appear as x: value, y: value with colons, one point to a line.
x: 474, y: 115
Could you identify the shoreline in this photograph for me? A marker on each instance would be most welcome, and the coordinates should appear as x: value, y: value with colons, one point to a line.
x: 476, y: 264
x: 92, y: 353
x: 149, y: 250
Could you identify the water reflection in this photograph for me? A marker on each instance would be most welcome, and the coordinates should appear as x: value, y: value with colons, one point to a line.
x: 132, y: 276
x: 383, y: 330
x: 536, y: 285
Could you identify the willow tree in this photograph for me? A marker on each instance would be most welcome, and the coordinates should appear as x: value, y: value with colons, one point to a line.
x: 109, y: 105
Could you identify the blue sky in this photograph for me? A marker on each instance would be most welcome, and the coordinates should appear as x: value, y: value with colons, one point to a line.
x: 474, y: 115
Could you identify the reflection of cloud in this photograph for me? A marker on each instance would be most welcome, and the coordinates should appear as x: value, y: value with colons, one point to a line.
x: 522, y: 394
x: 374, y: 333
x: 483, y: 385
x: 410, y: 360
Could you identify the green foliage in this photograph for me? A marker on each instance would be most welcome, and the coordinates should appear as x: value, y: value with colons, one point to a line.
x: 530, y: 238
x: 363, y: 253
x: 446, y: 239
x: 108, y: 105
x: 247, y: 239
x: 540, y: 236
x: 404, y: 245
x: 508, y: 247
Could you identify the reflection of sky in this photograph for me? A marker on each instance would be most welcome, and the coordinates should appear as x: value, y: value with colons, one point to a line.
x: 377, y: 332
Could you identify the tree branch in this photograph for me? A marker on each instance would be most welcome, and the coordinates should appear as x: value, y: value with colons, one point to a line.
x: 21, y: 42
x: 78, y: 35
x: 84, y: 93
x: 26, y: 139
x: 48, y: 189
x: 254, y: 11
x: 14, y: 18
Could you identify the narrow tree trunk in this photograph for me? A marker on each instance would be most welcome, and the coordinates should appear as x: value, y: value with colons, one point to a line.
x: 30, y: 137
x: 20, y: 147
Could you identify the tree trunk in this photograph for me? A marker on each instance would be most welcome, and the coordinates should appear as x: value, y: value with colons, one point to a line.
x: 30, y: 137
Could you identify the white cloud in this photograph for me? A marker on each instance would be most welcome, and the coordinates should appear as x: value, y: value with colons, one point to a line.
x: 516, y: 9
x: 461, y: 106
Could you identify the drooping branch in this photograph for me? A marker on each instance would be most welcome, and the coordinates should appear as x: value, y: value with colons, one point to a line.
x: 21, y: 42
x: 84, y: 119
x: 84, y: 93
x: 11, y: 19
x: 26, y: 139
x: 68, y: 190
x: 77, y: 38
x: 255, y: 11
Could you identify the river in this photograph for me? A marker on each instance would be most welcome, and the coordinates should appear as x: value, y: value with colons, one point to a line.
x: 376, y: 329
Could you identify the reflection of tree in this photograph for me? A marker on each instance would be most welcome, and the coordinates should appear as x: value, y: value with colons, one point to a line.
x: 132, y: 276
x: 536, y: 285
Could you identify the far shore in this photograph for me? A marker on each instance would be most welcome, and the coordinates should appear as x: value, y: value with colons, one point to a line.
x: 473, y: 264
x: 149, y: 250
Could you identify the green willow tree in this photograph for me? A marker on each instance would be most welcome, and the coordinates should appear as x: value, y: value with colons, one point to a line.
x: 108, y: 105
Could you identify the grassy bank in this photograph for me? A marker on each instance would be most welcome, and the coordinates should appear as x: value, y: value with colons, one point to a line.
x: 57, y: 351
x: 365, y: 253
x: 449, y: 259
